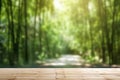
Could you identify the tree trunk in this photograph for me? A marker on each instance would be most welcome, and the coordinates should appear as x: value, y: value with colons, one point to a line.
x: 26, y: 31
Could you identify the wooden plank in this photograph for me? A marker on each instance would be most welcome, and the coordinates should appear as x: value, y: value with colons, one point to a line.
x: 59, y: 73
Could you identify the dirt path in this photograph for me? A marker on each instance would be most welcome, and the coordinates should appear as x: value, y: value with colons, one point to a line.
x: 72, y: 61
x: 65, y: 60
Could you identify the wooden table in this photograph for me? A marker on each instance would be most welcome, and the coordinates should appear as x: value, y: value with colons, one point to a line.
x: 59, y: 73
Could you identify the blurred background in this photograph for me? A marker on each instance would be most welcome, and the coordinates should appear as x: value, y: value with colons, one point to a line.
x: 59, y: 33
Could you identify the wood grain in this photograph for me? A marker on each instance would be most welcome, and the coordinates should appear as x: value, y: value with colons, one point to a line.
x: 60, y: 74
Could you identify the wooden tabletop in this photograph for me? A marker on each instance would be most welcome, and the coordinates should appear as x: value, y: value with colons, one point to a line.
x: 59, y: 73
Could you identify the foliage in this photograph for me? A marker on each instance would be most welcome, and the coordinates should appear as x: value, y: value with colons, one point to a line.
x: 32, y: 30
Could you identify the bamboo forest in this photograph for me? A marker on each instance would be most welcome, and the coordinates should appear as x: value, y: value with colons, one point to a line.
x: 35, y: 32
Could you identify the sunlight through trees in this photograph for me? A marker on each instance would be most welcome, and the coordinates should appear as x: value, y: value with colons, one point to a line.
x: 35, y: 30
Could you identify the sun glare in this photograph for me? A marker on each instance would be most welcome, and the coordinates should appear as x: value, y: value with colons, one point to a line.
x: 90, y: 6
x: 58, y: 5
